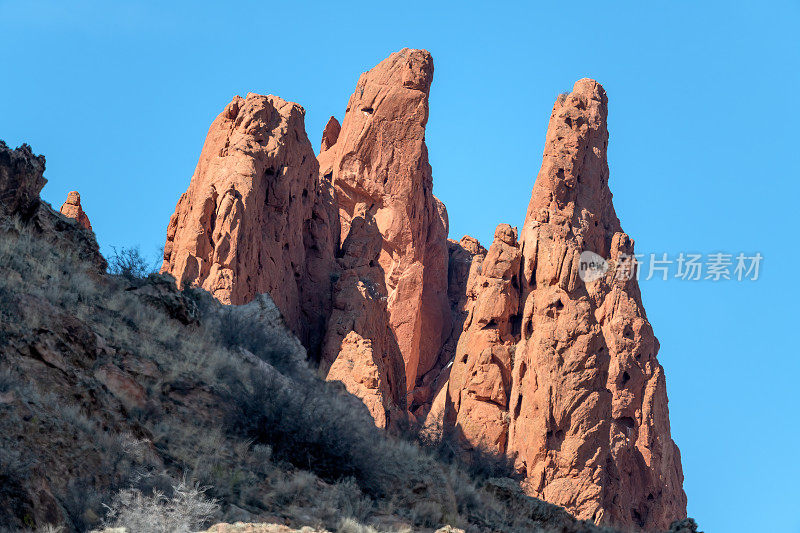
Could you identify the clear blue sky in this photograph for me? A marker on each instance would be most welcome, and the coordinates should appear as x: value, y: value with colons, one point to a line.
x: 704, y: 157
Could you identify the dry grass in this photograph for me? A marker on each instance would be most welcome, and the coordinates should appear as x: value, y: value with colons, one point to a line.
x: 229, y: 406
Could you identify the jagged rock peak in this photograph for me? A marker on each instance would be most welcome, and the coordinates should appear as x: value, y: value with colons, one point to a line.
x: 380, y: 160
x: 571, y: 189
x: 589, y: 424
x: 330, y: 134
x: 21, y: 180
x: 257, y: 217
x: 72, y: 208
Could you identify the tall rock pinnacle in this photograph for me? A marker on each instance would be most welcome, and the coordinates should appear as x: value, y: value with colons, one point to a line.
x: 558, y: 373
x: 72, y: 209
x: 257, y: 217
x: 589, y: 420
x: 380, y: 163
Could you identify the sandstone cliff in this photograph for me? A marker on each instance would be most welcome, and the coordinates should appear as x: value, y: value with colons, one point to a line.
x: 257, y: 217
x: 72, y: 208
x: 560, y: 374
x: 379, y: 163
x: 507, y: 350
x: 589, y: 420
x: 112, y: 388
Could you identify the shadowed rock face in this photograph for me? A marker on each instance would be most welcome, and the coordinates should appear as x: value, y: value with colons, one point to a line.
x: 360, y: 349
x: 72, y: 208
x: 380, y: 161
x: 257, y: 217
x: 21, y: 180
x: 330, y: 134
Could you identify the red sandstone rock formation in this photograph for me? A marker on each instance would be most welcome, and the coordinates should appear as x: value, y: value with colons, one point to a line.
x: 380, y: 160
x: 560, y: 374
x: 571, y: 388
x: 72, y: 209
x: 464, y: 265
x: 257, y: 217
x: 330, y: 134
x: 588, y: 406
x: 480, y: 380
x: 360, y: 349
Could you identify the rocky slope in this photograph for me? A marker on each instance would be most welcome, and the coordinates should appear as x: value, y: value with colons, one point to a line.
x: 114, y: 389
x: 504, y: 351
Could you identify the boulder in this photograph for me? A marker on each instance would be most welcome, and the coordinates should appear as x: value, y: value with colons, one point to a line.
x: 72, y: 209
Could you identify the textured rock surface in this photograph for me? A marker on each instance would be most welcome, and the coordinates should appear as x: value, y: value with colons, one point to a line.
x: 508, y: 347
x: 588, y: 406
x: 72, y: 208
x: 480, y: 379
x: 21, y: 180
x: 360, y: 349
x: 330, y: 134
x: 464, y: 261
x: 380, y: 161
x: 257, y: 217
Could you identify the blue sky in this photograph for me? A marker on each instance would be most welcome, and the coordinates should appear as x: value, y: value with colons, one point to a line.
x: 703, y: 156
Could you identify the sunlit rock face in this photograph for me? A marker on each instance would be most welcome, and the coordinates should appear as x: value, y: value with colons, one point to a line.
x: 589, y: 424
x: 380, y: 161
x: 257, y: 217
x: 72, y: 208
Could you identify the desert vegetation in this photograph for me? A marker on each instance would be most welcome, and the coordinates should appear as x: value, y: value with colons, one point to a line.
x: 132, y: 398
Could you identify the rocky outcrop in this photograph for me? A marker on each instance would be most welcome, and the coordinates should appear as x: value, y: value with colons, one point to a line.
x: 558, y: 373
x: 509, y: 349
x: 464, y: 264
x: 72, y: 209
x: 21, y: 180
x: 330, y: 134
x: 360, y: 349
x: 257, y: 217
x: 480, y: 379
x: 589, y: 424
x: 380, y: 161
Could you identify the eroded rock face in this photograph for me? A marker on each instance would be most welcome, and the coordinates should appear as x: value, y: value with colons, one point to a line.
x: 21, y: 180
x: 508, y: 348
x: 360, y: 349
x: 257, y: 217
x: 464, y: 265
x: 330, y: 134
x: 480, y: 379
x: 380, y: 160
x: 588, y: 407
x: 72, y: 208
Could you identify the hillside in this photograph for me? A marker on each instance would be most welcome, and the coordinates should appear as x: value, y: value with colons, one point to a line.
x: 116, y: 386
